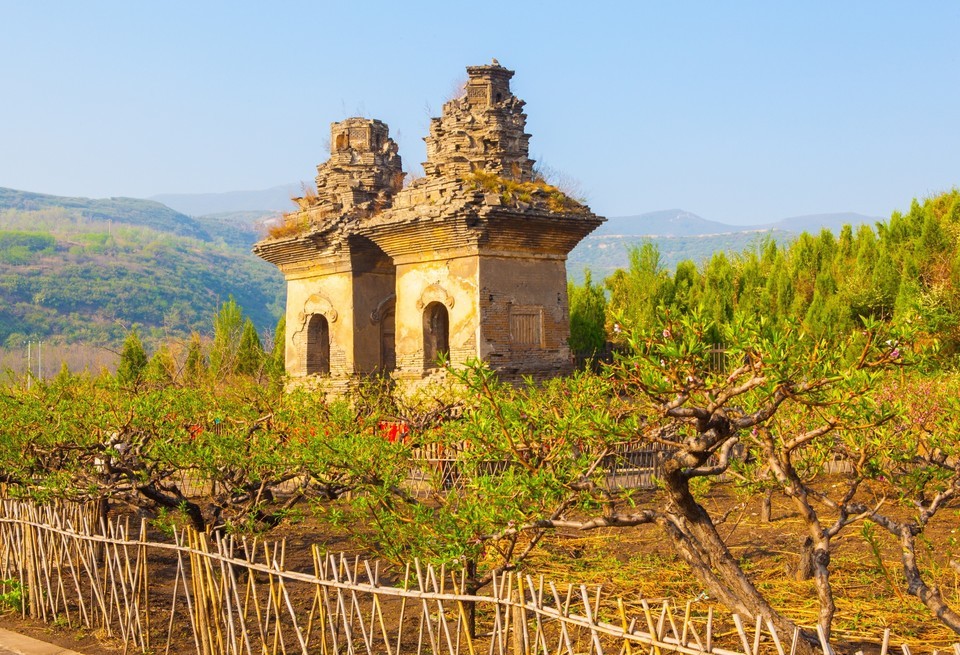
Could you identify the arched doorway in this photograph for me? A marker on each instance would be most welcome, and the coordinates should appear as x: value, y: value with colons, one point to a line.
x: 318, y: 345
x: 436, y: 334
x: 388, y: 341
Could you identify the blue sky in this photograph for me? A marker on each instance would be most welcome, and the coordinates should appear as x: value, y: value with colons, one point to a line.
x: 738, y: 111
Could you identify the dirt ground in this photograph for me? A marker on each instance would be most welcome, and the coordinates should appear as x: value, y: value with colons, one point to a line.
x: 81, y: 641
x: 637, y: 563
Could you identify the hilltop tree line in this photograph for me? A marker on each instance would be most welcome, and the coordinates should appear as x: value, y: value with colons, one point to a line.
x: 906, y: 269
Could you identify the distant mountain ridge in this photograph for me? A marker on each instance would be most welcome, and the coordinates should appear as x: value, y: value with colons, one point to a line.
x: 132, y: 211
x: 681, y: 223
x: 274, y: 199
x: 666, y: 222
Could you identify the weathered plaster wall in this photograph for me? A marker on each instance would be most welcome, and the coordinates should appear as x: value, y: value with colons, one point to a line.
x: 452, y: 282
x: 524, y: 316
x: 332, y: 296
x: 372, y: 291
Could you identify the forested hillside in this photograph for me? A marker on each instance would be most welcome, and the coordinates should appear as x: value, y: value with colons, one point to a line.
x: 88, y: 270
x: 129, y: 211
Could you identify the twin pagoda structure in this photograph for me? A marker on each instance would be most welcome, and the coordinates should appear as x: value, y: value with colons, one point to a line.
x: 466, y: 262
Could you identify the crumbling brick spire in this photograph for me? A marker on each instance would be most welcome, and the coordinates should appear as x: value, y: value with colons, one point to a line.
x: 482, y: 130
x: 362, y: 174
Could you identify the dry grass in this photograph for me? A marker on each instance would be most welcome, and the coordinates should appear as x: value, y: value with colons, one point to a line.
x: 637, y: 563
x: 291, y: 226
x: 536, y: 192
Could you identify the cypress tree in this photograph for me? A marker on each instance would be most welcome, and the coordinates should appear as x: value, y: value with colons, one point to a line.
x: 133, y: 360
x: 250, y: 356
x: 195, y: 366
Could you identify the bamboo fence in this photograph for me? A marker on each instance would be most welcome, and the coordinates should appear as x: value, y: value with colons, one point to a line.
x: 437, y: 467
x: 213, y: 596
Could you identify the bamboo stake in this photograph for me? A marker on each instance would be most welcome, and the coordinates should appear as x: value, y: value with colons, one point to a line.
x: 293, y: 617
x: 226, y: 604
x: 132, y: 574
x: 117, y: 578
x: 173, y: 605
x: 241, y: 616
x: 63, y: 546
x: 495, y: 637
x: 355, y: 609
x: 403, y: 607
x: 73, y: 544
x: 146, y: 576
x: 590, y: 618
x: 273, y: 603
x: 42, y: 573
x: 425, y: 608
x: 375, y: 608
x: 623, y: 621
x: 30, y: 583
x: 710, y: 631
x: 332, y: 615
x: 827, y: 650
x: 647, y: 615
x: 194, y: 616
x: 250, y: 594
x: 441, y: 610
x: 743, y: 635
x: 317, y: 604
x: 562, y: 609
x: 89, y: 561
x: 776, y: 637
x: 464, y: 619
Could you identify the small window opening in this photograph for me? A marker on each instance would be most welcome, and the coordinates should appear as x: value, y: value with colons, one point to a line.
x: 436, y: 334
x: 388, y: 344
x: 318, y: 345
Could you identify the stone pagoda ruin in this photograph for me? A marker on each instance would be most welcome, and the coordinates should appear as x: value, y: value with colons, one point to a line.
x: 466, y: 262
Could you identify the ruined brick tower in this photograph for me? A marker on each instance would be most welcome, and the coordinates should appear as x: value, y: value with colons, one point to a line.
x: 466, y: 262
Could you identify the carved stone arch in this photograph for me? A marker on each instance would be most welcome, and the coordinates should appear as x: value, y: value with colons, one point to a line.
x: 315, y: 304
x: 385, y: 315
x: 319, y: 304
x: 383, y: 308
x: 436, y: 333
x: 435, y: 293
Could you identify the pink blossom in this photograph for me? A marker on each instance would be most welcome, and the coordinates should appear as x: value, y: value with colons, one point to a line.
x: 666, y: 334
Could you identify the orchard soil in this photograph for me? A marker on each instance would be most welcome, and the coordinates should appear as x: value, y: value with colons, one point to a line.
x: 636, y: 563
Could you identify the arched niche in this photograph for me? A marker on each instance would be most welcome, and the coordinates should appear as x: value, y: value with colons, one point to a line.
x: 436, y: 334
x: 318, y: 345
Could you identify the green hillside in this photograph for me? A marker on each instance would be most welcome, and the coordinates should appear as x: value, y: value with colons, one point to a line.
x: 129, y: 211
x: 239, y: 229
x: 87, y: 270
